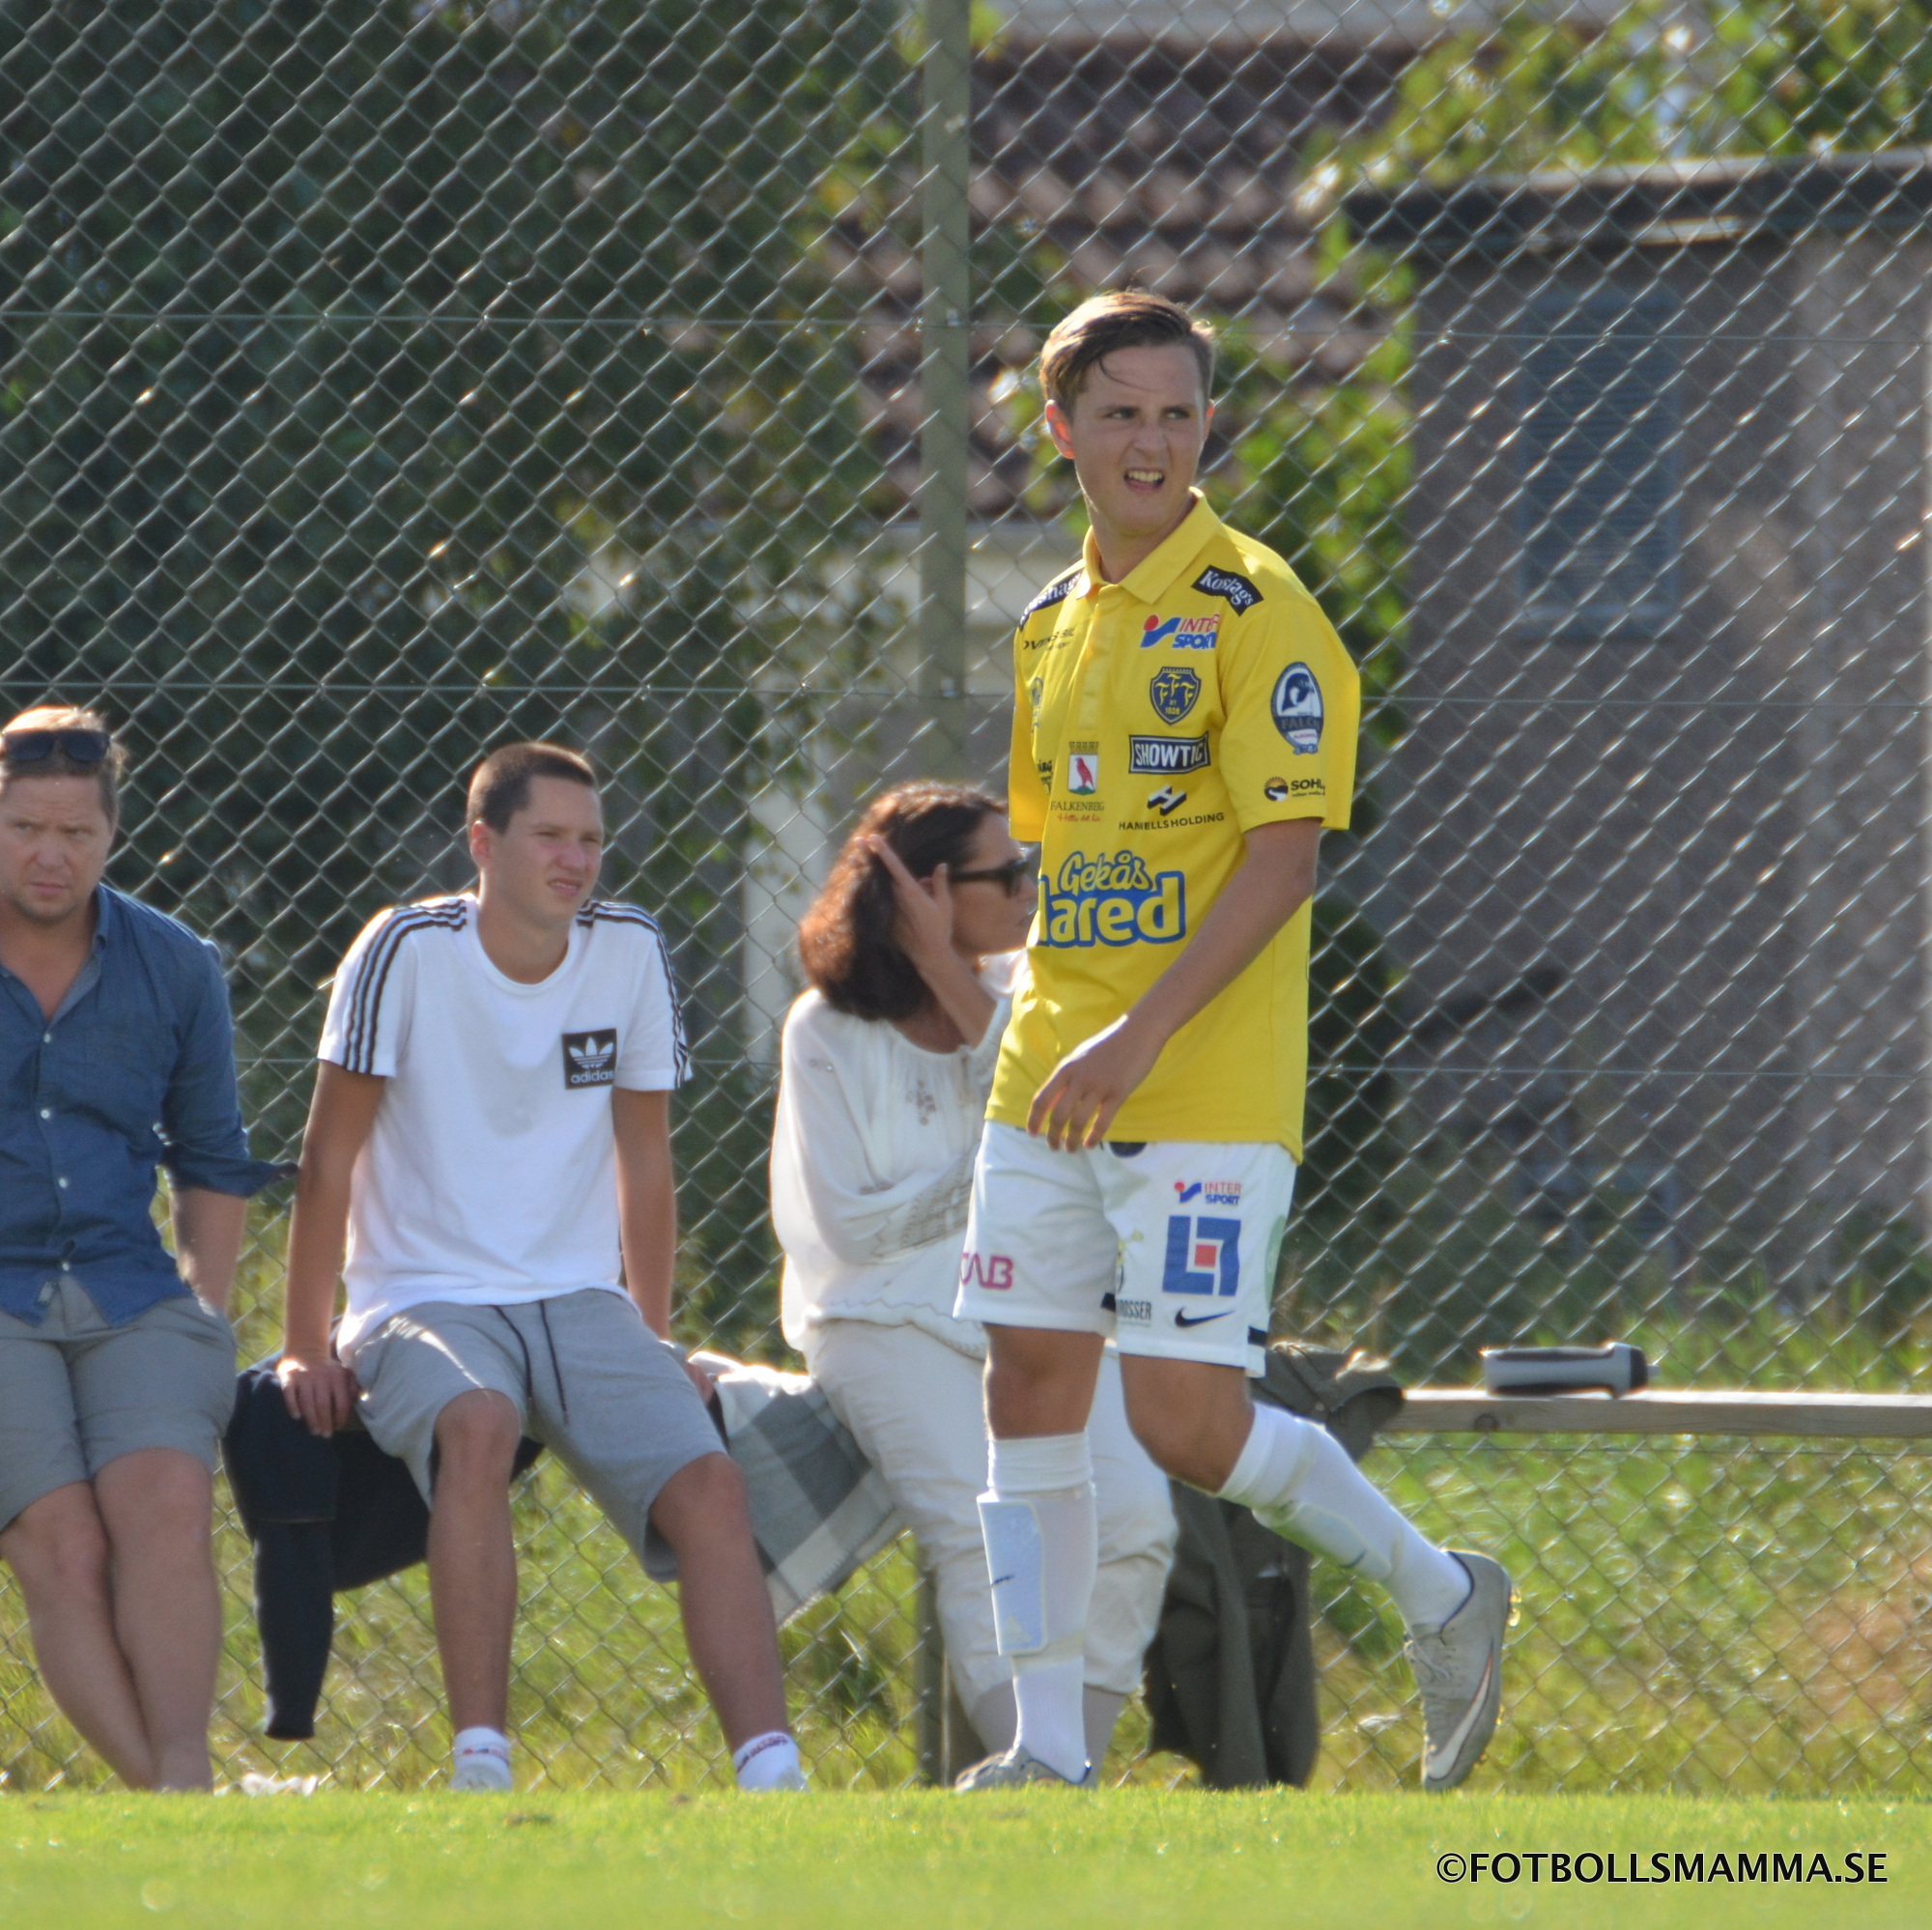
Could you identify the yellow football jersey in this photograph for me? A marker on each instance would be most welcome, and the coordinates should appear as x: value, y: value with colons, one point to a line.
x: 1157, y: 720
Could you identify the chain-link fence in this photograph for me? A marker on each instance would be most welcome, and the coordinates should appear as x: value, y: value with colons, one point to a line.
x: 376, y: 387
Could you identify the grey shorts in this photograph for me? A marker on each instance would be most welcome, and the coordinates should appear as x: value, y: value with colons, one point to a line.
x: 586, y: 1376
x: 76, y: 1393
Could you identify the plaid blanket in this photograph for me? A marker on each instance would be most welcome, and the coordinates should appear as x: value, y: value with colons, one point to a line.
x: 818, y: 1507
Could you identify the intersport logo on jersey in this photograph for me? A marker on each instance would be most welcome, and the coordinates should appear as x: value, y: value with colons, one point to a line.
x: 1115, y: 901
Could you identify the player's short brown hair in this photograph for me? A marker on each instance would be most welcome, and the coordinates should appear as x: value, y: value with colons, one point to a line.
x: 107, y: 772
x: 501, y: 785
x: 1131, y: 318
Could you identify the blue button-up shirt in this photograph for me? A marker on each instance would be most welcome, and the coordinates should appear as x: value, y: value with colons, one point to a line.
x: 134, y: 1071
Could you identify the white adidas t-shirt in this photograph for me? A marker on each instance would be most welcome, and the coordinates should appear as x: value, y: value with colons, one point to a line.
x: 491, y: 1174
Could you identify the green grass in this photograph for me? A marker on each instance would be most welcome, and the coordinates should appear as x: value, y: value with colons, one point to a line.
x: 1123, y: 1860
x: 1703, y: 1619
x: 1747, y: 1618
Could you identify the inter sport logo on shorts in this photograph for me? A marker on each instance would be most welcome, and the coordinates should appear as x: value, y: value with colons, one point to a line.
x: 1212, y: 1192
x: 1296, y: 705
x: 590, y: 1058
x: 1111, y: 901
x: 1184, y: 633
x: 1204, y: 1255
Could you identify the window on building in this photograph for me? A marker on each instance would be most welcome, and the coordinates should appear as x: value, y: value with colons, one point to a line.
x: 1596, y: 455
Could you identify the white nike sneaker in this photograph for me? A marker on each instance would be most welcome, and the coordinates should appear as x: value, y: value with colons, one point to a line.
x: 1016, y: 1769
x: 1458, y: 1670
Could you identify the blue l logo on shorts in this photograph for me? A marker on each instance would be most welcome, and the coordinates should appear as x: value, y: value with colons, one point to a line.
x: 1199, y: 1250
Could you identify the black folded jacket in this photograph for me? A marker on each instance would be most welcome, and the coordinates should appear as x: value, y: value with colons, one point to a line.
x: 324, y: 1516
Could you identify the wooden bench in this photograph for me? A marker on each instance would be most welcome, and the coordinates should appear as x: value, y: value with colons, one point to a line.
x: 1463, y: 1410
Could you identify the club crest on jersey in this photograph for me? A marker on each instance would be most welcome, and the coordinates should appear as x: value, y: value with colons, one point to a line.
x: 1115, y: 901
x: 1174, y: 690
x: 1083, y: 773
x: 1296, y: 706
x: 590, y: 1058
x: 1184, y: 633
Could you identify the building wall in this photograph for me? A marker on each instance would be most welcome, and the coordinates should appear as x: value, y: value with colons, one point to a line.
x: 1711, y: 829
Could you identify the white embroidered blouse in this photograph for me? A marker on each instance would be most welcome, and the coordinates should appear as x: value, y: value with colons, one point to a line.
x: 873, y: 1167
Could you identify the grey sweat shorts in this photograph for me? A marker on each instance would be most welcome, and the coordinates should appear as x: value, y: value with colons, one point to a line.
x: 76, y: 1393
x: 586, y: 1376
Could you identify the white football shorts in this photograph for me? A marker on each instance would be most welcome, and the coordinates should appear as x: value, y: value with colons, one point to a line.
x: 1167, y: 1247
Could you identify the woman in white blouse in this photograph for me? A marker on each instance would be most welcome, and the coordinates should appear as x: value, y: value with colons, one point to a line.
x: 911, y: 950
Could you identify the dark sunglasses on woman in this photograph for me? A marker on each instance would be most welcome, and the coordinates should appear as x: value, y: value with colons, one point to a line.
x: 1006, y: 876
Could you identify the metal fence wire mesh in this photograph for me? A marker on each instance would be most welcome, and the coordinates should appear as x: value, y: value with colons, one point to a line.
x: 378, y: 384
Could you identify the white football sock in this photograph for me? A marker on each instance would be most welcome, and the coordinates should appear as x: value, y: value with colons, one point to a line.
x: 995, y: 1718
x: 1042, y: 1552
x: 768, y: 1762
x: 480, y: 1760
x: 1300, y: 1482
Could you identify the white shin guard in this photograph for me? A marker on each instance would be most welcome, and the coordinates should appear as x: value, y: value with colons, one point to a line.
x: 1042, y: 1552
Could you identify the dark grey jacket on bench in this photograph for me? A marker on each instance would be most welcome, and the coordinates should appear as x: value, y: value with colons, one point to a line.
x: 1230, y: 1675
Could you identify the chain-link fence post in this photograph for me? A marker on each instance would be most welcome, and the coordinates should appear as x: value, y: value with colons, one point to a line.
x: 931, y: 1681
x: 946, y: 382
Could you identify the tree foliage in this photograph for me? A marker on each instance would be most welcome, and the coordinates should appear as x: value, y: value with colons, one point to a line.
x: 380, y: 382
x: 1547, y: 87
x: 339, y: 344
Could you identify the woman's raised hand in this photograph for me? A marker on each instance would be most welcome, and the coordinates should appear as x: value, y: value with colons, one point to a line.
x: 924, y: 909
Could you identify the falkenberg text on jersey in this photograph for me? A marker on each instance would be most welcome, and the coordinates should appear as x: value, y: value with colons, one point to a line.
x: 1116, y: 901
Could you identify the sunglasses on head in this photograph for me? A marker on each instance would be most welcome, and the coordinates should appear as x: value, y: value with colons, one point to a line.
x: 33, y: 747
x: 1006, y: 876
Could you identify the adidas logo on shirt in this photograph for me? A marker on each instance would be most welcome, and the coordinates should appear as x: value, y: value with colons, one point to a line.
x: 590, y: 1058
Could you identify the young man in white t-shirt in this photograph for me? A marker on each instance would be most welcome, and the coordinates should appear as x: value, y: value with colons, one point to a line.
x: 490, y: 1137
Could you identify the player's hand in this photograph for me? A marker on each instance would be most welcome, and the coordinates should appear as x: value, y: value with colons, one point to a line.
x: 705, y: 1383
x: 320, y: 1392
x: 1076, y: 1105
x: 925, y: 923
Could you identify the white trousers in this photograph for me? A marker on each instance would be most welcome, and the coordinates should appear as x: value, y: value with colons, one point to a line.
x: 916, y: 1408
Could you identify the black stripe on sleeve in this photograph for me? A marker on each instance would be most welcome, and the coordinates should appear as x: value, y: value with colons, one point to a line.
x: 372, y: 975
x: 598, y: 912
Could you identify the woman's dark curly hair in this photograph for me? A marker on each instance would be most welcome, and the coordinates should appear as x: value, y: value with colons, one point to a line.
x: 848, y: 942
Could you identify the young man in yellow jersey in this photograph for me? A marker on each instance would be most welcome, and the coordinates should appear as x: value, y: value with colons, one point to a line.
x: 1185, y: 726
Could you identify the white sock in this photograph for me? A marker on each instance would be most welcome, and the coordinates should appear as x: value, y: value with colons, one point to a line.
x: 768, y: 1762
x: 1300, y: 1482
x: 480, y: 1759
x: 1042, y: 1552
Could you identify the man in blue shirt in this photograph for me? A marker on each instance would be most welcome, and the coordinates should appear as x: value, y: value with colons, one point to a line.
x: 117, y: 1362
